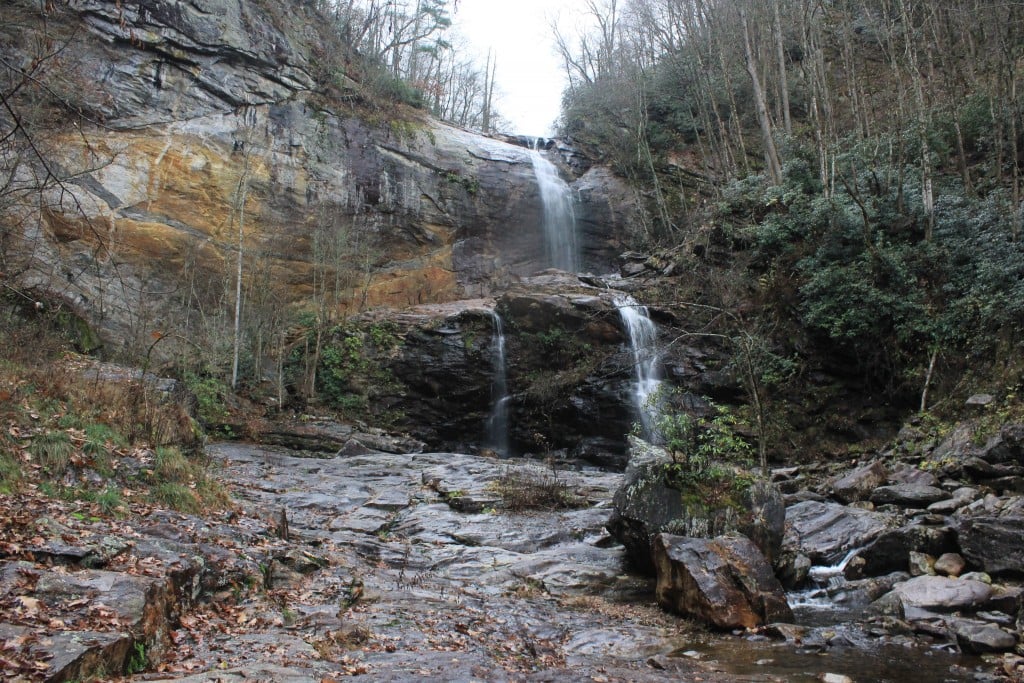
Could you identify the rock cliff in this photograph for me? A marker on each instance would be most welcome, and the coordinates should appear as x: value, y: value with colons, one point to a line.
x: 208, y: 129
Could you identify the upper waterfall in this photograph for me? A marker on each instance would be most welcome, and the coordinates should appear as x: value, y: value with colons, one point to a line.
x: 559, y: 214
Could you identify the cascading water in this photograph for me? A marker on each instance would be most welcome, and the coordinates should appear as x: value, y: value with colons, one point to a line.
x: 643, y: 338
x: 497, y: 424
x: 559, y: 214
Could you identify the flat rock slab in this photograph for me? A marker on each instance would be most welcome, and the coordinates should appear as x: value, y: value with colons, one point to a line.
x: 908, y: 495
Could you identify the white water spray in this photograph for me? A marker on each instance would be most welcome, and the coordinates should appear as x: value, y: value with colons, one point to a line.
x: 497, y: 424
x: 559, y: 214
x: 643, y: 339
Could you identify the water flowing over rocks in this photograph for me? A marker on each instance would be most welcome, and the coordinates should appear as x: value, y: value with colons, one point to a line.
x: 569, y: 371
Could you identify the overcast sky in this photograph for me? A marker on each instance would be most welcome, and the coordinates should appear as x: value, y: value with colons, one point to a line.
x: 530, y: 77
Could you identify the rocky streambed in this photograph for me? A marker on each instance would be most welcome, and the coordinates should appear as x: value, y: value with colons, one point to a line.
x: 412, y: 566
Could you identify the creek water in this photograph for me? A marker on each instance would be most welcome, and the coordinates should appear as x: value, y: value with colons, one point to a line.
x: 559, y: 215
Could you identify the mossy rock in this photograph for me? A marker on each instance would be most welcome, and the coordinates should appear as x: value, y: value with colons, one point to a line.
x: 649, y: 503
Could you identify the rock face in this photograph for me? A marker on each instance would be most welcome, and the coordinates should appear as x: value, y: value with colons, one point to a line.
x: 647, y: 505
x: 724, y: 581
x: 568, y: 367
x: 214, y: 123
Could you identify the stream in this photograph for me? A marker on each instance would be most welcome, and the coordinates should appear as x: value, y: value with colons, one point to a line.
x: 406, y: 567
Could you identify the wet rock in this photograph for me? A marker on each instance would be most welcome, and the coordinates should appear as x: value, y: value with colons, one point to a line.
x: 792, y: 569
x: 992, y: 543
x: 908, y: 495
x: 976, y: 637
x: 646, y: 504
x: 826, y: 531
x: 127, y: 609
x: 724, y: 581
x: 950, y: 564
x: 858, y: 484
x: 891, y: 550
x: 979, y: 400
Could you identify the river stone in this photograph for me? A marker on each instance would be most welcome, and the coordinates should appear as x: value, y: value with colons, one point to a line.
x: 646, y: 505
x: 912, y: 475
x: 924, y: 596
x: 950, y: 564
x: 908, y: 495
x: 992, y: 543
x: 977, y: 638
x: 825, y: 532
x: 858, y: 484
x: 724, y: 581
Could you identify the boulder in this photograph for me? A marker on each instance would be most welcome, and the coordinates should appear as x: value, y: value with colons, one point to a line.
x: 859, y: 483
x: 925, y: 596
x: 976, y: 637
x: 647, y: 504
x: 992, y: 542
x: 825, y: 532
x: 724, y: 581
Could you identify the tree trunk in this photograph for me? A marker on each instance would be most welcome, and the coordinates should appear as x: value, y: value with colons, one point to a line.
x: 771, y: 154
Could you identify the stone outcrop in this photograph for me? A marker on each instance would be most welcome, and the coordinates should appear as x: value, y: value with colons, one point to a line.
x: 724, y: 581
x: 647, y: 504
x: 568, y: 368
x: 214, y: 122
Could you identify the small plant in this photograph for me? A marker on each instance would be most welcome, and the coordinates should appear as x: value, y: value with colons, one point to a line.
x: 10, y: 473
x: 137, y: 660
x: 702, y: 447
x: 52, y: 450
x: 536, y: 488
x: 109, y: 500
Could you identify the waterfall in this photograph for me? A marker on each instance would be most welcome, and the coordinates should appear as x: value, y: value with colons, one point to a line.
x: 559, y: 214
x: 643, y: 338
x: 497, y: 423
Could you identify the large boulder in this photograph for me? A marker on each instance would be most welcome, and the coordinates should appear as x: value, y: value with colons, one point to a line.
x: 825, y: 532
x: 923, y: 597
x: 648, y: 503
x: 724, y: 581
x: 992, y: 542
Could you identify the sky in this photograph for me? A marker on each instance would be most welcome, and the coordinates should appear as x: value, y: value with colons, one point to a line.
x: 530, y: 77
